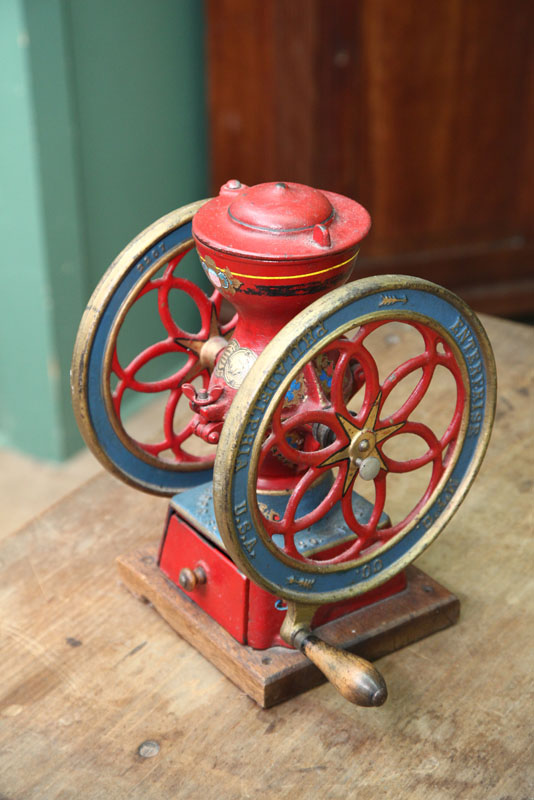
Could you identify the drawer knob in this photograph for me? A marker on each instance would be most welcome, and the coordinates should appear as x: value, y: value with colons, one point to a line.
x: 189, y: 579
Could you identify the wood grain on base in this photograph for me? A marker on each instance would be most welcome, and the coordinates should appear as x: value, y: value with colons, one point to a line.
x: 274, y: 675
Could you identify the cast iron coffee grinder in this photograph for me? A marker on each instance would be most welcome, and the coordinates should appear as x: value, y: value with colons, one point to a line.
x: 305, y: 473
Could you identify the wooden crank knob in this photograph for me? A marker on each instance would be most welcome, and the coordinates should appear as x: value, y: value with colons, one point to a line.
x: 189, y: 579
x: 354, y: 677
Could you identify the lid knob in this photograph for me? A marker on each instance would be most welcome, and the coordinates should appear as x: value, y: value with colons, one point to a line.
x: 231, y: 187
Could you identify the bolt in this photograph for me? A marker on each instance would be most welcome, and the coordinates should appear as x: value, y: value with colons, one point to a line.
x: 363, y: 445
x: 233, y: 184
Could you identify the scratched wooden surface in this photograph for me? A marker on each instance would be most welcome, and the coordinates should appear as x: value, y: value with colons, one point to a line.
x: 89, y: 673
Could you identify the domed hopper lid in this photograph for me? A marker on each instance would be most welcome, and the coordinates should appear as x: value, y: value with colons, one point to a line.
x: 280, y: 221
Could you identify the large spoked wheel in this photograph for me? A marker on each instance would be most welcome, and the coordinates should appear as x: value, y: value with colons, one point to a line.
x: 105, y: 371
x: 408, y: 435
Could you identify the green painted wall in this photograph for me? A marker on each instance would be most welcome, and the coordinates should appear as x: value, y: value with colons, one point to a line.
x: 105, y: 131
x: 28, y: 373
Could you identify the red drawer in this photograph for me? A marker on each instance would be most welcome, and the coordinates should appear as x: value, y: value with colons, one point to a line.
x: 224, y: 594
x: 250, y: 614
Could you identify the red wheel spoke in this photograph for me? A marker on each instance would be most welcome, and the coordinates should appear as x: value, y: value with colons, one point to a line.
x: 372, y: 383
x: 454, y: 426
x: 417, y: 394
x: 301, y: 422
x: 314, y: 389
x: 354, y: 351
x: 202, y: 302
x: 364, y: 331
x: 152, y: 352
x: 175, y: 438
x: 152, y: 449
x: 166, y: 284
x: 115, y: 366
x: 363, y: 530
x: 380, y: 501
x: 180, y: 455
x: 168, y: 416
x: 353, y: 524
x: 287, y: 522
x: 336, y: 391
x: 326, y: 505
x: 290, y: 548
x: 435, y: 477
x: 434, y: 451
x: 366, y: 534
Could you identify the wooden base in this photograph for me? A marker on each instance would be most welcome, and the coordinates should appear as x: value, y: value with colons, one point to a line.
x: 274, y: 675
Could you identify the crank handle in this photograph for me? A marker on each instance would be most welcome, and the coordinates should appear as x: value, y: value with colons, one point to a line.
x: 354, y: 677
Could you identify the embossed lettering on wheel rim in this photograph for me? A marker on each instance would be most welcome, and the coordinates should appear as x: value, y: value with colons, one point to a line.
x: 440, y: 317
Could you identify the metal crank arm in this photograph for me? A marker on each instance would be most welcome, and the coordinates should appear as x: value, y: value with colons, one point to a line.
x: 355, y: 678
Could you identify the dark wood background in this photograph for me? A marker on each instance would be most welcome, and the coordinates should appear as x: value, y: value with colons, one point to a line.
x: 421, y: 111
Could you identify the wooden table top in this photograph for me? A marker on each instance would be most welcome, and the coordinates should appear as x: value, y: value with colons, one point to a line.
x: 89, y: 673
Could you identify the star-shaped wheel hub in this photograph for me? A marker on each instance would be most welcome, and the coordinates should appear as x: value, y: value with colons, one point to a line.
x: 362, y: 445
x: 206, y: 348
x: 197, y: 344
